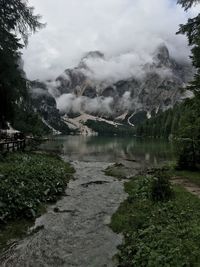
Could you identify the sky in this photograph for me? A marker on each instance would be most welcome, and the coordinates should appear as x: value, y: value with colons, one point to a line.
x: 126, y: 31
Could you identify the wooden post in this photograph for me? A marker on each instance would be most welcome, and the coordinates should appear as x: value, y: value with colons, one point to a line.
x: 24, y: 144
x: 11, y: 145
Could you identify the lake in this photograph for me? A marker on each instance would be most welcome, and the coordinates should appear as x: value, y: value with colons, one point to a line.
x: 112, y: 149
x: 75, y: 230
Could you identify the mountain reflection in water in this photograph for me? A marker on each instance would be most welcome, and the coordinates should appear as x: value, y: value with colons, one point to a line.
x: 112, y: 149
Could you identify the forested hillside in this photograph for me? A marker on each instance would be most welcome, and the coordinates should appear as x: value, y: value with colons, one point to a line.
x: 182, y: 123
x: 17, y: 22
x: 183, y: 120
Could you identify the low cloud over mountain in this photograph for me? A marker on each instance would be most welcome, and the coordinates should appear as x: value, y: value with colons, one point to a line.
x: 149, y: 87
x: 127, y: 32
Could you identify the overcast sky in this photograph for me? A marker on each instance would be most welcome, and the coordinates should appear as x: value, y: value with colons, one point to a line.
x: 115, y: 27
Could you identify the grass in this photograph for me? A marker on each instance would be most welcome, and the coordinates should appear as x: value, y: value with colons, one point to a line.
x: 27, y: 181
x: 193, y: 177
x: 13, y: 231
x: 116, y: 170
x: 159, y: 233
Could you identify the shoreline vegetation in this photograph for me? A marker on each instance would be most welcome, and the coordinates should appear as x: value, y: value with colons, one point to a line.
x: 159, y: 220
x: 29, y: 180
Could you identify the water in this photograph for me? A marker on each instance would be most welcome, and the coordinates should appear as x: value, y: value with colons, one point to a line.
x: 112, y: 149
x: 75, y: 231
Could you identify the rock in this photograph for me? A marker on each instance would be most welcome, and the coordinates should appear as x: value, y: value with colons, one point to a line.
x: 57, y: 210
x: 90, y: 92
x: 158, y: 90
x: 45, y: 105
x: 94, y: 183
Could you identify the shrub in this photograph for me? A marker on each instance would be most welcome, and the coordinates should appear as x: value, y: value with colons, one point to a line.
x: 188, y: 152
x: 160, y: 188
x: 28, y: 180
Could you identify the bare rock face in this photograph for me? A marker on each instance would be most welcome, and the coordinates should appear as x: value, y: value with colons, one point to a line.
x: 75, y: 81
x: 159, y: 88
x: 70, y: 81
x: 90, y: 55
x: 45, y: 105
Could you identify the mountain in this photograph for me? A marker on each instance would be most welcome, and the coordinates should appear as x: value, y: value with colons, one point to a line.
x: 45, y: 105
x: 154, y: 86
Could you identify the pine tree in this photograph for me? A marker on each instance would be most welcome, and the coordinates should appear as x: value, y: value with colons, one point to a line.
x: 192, y: 30
x: 17, y: 22
x: 189, y: 156
x: 188, y: 3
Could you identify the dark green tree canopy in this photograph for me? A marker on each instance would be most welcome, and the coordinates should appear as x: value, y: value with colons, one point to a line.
x: 17, y: 22
x: 183, y: 121
x: 18, y: 17
x: 188, y: 3
x: 192, y: 30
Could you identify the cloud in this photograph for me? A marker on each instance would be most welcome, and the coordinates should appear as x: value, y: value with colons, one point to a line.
x: 120, y: 67
x: 125, y: 66
x: 38, y: 92
x: 69, y: 103
x: 127, y: 30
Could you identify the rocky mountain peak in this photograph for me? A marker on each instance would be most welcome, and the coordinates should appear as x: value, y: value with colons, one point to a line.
x: 162, y: 56
x: 90, y: 55
x: 158, y: 89
x: 93, y: 54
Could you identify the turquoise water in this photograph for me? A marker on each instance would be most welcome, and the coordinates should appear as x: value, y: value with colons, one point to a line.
x: 111, y: 149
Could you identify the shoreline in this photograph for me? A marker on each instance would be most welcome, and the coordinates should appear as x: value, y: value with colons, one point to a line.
x: 29, y: 181
x: 158, y: 232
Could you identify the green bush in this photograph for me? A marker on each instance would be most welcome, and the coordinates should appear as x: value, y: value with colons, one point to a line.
x: 28, y: 180
x: 160, y: 188
x: 163, y: 233
x: 155, y: 186
x: 188, y: 152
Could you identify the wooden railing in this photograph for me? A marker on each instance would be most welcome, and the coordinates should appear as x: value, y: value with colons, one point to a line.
x: 14, y: 145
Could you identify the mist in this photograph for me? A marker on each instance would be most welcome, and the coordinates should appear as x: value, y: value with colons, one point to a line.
x: 69, y: 103
x: 126, y: 31
x: 114, y: 69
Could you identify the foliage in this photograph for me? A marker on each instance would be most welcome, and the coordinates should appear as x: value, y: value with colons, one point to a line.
x: 103, y: 128
x: 192, y: 30
x: 188, y: 151
x: 191, y: 176
x: 137, y: 118
x: 187, y: 3
x: 182, y: 123
x: 28, y: 122
x: 17, y: 21
x: 28, y: 180
x: 157, y: 233
x: 117, y: 170
x: 160, y: 188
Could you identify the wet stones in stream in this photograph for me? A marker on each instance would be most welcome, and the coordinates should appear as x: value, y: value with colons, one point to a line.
x: 94, y: 183
x: 75, y: 231
x: 57, y: 210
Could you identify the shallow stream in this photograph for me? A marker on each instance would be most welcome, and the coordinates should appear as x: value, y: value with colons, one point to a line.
x: 75, y: 231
